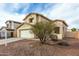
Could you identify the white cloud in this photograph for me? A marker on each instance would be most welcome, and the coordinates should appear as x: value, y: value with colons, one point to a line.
x: 9, y: 15
x: 67, y: 12
x: 4, y: 16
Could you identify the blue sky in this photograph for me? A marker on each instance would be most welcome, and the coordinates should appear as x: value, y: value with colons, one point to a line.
x: 17, y: 11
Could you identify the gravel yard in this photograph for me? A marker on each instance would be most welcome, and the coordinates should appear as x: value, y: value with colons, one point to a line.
x: 34, y: 48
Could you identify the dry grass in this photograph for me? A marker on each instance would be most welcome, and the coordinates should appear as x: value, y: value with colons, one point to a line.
x: 34, y: 48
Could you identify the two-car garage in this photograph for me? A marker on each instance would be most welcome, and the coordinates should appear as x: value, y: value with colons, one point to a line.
x: 24, y: 31
x: 26, y: 34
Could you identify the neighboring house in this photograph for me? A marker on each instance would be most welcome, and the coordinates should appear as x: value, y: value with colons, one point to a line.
x: 4, y: 30
x: 10, y: 29
x: 12, y: 24
x: 24, y: 30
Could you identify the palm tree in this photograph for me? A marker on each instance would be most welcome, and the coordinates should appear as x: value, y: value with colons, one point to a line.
x: 43, y: 30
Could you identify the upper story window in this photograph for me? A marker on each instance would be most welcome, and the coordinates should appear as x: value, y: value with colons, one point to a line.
x: 31, y: 20
x: 7, y: 25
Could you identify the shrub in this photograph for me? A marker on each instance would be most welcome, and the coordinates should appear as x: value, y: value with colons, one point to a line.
x: 63, y: 43
x: 42, y: 30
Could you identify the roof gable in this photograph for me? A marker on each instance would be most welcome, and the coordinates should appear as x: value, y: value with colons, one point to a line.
x: 24, y: 24
x: 37, y: 15
x: 60, y: 21
x: 46, y: 18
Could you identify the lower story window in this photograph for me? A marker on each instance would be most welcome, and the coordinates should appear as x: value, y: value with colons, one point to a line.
x: 57, y: 30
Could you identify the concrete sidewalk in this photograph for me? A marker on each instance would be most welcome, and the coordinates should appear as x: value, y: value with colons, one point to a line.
x: 9, y: 40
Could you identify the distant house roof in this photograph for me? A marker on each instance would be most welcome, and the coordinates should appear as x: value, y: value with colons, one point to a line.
x: 13, y: 21
x: 6, y: 28
x: 46, y: 18
x: 3, y: 27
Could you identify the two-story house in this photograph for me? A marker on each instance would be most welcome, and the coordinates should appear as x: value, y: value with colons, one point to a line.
x: 10, y: 29
x: 24, y: 30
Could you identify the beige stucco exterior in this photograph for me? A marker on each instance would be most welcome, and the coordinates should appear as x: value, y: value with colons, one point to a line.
x: 37, y: 18
x: 23, y: 27
x: 40, y: 18
x: 63, y: 29
x: 34, y: 21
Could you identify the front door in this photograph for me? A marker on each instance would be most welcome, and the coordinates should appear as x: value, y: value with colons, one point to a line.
x: 11, y: 34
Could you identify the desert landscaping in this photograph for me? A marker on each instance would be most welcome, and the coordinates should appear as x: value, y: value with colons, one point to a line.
x: 34, y: 48
x: 54, y: 37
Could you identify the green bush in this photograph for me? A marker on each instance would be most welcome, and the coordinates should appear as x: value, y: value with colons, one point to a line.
x: 43, y: 30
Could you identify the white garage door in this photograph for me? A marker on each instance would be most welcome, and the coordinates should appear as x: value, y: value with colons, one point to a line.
x: 26, y: 34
